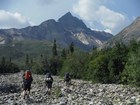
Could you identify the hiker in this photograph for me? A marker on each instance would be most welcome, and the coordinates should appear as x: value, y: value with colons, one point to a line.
x: 27, y: 81
x: 48, y: 80
x: 67, y: 79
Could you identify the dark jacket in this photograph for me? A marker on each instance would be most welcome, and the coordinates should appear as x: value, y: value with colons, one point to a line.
x: 67, y: 77
x: 48, y: 78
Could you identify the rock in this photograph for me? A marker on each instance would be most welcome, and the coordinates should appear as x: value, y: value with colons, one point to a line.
x: 91, y: 103
x: 63, y: 101
x: 79, y: 93
x: 138, y: 101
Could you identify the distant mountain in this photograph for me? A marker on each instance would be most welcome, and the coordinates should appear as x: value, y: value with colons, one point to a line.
x: 66, y: 30
x: 127, y: 34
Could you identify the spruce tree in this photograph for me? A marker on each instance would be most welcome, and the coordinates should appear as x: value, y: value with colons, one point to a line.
x: 27, y: 62
x: 3, y: 64
x: 54, y: 48
x: 71, y: 47
x: 63, y: 55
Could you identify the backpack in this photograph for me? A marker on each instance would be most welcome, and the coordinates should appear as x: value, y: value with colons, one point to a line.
x: 27, y: 75
x: 67, y: 77
x: 48, y: 78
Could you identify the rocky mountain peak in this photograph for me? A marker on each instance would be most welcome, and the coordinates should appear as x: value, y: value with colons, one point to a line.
x: 66, y: 16
x: 136, y: 24
x: 71, y: 22
x: 127, y: 34
x: 137, y: 19
x: 131, y: 31
x: 66, y: 30
x: 48, y: 22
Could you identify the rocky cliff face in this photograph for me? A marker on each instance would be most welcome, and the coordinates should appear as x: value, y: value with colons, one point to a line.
x: 66, y: 30
x: 79, y: 92
x: 127, y: 34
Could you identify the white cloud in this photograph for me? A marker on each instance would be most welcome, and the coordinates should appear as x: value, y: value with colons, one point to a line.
x: 109, y: 18
x: 108, y: 30
x: 94, y: 11
x: 12, y: 20
x: 86, y: 8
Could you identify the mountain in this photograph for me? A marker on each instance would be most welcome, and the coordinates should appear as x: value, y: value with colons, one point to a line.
x: 66, y: 30
x: 127, y: 34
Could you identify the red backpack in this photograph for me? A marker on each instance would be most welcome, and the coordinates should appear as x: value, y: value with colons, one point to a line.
x: 27, y: 74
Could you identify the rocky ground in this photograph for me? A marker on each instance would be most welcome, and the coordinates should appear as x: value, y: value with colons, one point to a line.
x: 79, y: 93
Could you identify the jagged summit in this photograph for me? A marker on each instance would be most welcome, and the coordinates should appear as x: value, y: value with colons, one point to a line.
x: 68, y: 15
x: 137, y: 19
x: 66, y: 30
x: 50, y: 21
x: 71, y: 22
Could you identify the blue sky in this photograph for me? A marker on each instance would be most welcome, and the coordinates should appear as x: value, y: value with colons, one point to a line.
x: 106, y: 15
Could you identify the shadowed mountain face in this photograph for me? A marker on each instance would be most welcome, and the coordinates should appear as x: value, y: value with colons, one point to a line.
x: 127, y: 34
x: 66, y: 30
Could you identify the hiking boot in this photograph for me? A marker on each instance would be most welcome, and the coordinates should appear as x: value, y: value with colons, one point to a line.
x: 23, y: 97
x: 49, y: 93
x: 28, y: 96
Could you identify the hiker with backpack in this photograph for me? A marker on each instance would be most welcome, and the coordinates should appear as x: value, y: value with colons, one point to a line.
x: 27, y: 81
x: 67, y: 79
x: 48, y: 82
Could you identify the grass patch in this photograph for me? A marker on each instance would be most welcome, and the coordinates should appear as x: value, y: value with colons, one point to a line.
x: 57, y: 91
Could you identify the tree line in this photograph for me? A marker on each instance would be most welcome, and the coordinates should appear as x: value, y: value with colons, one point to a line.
x: 119, y: 64
x: 6, y: 66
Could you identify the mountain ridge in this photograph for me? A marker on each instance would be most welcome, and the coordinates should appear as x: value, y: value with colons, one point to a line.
x: 131, y: 32
x: 66, y: 30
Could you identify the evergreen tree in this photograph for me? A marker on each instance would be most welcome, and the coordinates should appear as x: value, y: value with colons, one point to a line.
x: 71, y: 47
x: 8, y: 67
x: 3, y: 65
x: 10, y: 59
x: 27, y: 60
x: 46, y: 66
x: 31, y: 61
x: 55, y: 64
x: 118, y: 58
x: 63, y: 54
x: 54, y: 48
x: 3, y: 61
x: 54, y: 60
x: 94, y: 48
x: 131, y: 73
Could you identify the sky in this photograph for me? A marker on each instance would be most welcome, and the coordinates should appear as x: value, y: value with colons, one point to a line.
x: 103, y: 15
